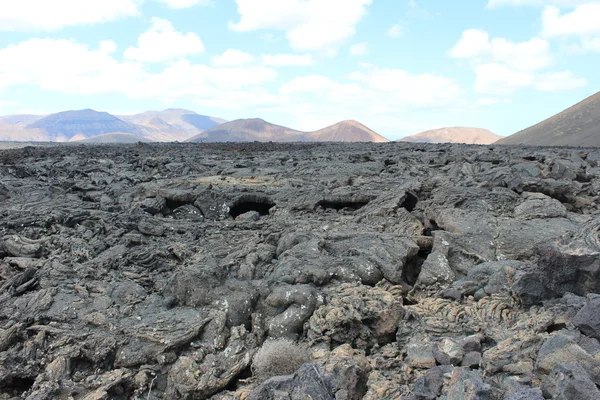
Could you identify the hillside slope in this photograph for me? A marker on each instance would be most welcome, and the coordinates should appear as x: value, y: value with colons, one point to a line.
x: 346, y: 131
x: 174, y: 124
x: 249, y: 130
x: 578, y: 125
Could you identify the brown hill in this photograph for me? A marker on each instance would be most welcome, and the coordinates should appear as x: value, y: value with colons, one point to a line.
x: 578, y: 125
x: 346, y: 131
x: 454, y: 135
x: 255, y: 129
x: 249, y: 130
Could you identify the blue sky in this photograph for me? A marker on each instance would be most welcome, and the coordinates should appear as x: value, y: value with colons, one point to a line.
x: 398, y: 66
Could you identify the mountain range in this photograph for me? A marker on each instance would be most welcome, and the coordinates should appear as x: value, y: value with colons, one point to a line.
x: 256, y: 129
x: 454, y: 135
x: 94, y: 126
x: 578, y: 125
x: 90, y: 126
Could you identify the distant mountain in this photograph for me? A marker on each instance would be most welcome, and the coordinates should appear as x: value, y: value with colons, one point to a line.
x: 249, y: 130
x: 80, y: 124
x: 89, y: 126
x: 346, y: 131
x: 578, y: 125
x: 256, y: 129
x: 202, y: 122
x: 116, y: 137
x: 454, y: 135
x: 174, y: 124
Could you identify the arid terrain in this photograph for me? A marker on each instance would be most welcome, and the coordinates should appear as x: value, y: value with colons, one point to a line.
x: 408, y: 271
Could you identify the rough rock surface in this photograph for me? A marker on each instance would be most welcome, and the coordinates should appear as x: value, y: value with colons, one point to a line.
x: 409, y: 270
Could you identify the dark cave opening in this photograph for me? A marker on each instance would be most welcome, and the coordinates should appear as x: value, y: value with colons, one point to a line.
x: 341, y: 204
x: 410, y: 202
x: 16, y: 386
x: 413, y: 266
x: 244, y: 204
x: 174, y: 204
x: 556, y: 327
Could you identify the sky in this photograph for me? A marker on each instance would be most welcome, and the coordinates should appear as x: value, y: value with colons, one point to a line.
x: 398, y: 66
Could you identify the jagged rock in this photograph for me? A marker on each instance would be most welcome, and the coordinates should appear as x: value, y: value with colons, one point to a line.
x: 344, y: 376
x: 127, y: 272
x: 568, y: 381
x: 429, y: 386
x: 420, y: 355
x: 538, y: 205
x: 527, y: 394
x: 560, y: 269
x: 564, y: 348
x: 199, y: 377
x: 471, y: 360
x: 153, y: 205
x: 588, y: 318
x: 299, y: 303
x: 356, y: 314
x: 152, y: 228
x: 448, y: 352
x: 466, y: 384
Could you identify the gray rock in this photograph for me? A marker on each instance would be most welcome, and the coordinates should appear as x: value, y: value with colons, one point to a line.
x: 569, y: 380
x: 588, y: 318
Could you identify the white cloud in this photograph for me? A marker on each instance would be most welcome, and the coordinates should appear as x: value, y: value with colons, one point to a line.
x: 422, y: 90
x: 322, y: 85
x: 162, y: 43
x: 498, y: 79
x: 396, y: 31
x: 388, y: 109
x: 41, y: 63
x: 287, y: 60
x: 108, y: 46
x: 559, y: 81
x: 560, y: 3
x: 532, y: 55
x: 359, y: 49
x: 184, y: 3
x: 27, y: 15
x: 310, y: 25
x: 502, y: 66
x: 587, y: 45
x: 583, y: 21
x: 472, y: 43
x: 490, y: 101
x: 476, y: 45
x: 50, y: 15
x: 233, y: 58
